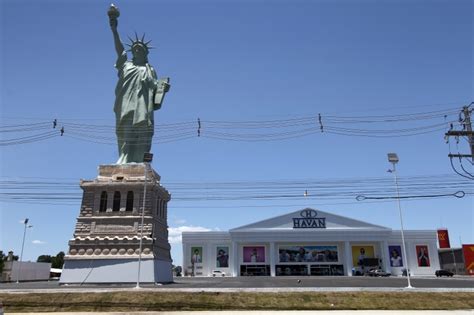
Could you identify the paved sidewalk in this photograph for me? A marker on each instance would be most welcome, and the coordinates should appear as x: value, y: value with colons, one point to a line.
x: 376, y: 312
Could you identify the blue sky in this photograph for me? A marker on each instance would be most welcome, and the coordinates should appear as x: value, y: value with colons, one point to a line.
x: 238, y: 61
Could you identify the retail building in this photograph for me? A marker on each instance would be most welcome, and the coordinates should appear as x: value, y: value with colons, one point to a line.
x: 308, y: 242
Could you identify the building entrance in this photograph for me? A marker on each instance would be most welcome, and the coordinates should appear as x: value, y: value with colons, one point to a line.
x: 327, y: 270
x: 254, y: 270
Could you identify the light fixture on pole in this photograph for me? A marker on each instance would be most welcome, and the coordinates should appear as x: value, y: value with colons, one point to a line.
x: 393, y: 158
x: 147, y: 159
x: 25, y: 222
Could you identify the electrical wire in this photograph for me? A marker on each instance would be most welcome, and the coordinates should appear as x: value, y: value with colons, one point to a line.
x: 64, y: 191
x: 400, y: 125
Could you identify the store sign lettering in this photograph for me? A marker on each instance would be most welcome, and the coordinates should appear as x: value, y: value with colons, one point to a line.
x: 309, y: 220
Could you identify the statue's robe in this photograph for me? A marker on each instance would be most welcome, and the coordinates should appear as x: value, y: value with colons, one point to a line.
x: 134, y: 109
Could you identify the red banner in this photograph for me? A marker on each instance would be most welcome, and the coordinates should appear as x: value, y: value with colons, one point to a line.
x: 468, y: 251
x: 443, y: 238
x: 423, y: 256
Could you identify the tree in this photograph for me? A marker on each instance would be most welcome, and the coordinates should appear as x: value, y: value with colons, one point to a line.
x: 56, y: 261
x: 1, y: 261
x: 44, y: 258
x: 4, y: 258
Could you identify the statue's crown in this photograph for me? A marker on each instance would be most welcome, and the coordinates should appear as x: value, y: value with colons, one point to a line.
x: 139, y: 42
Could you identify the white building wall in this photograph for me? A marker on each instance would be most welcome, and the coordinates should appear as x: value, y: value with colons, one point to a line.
x: 347, y: 259
x: 29, y: 271
x: 344, y: 237
x: 209, y: 241
x: 412, y: 239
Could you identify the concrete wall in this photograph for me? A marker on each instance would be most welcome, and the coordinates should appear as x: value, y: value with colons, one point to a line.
x: 115, y: 271
x: 29, y: 271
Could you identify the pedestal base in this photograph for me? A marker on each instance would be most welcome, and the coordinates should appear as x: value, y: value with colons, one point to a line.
x: 123, y: 204
x: 115, y: 271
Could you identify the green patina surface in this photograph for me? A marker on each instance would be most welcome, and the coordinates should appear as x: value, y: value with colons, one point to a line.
x: 137, y: 95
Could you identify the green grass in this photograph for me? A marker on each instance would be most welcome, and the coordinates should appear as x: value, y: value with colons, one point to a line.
x: 180, y: 301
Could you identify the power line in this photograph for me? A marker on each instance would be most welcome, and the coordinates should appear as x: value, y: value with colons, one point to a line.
x: 399, y: 125
x: 183, y: 192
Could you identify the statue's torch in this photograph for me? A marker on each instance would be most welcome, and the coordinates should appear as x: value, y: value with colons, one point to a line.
x: 113, y: 12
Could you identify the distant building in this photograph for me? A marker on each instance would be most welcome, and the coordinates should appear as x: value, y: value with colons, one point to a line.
x: 308, y: 242
x: 452, y: 259
x: 29, y: 271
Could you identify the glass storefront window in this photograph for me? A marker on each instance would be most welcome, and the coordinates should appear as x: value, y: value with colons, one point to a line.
x: 254, y: 270
x: 291, y: 270
x: 327, y: 270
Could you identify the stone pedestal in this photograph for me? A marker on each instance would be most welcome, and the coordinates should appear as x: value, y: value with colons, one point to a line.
x: 105, y: 245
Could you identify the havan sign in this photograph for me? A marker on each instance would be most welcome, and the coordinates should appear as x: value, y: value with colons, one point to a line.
x: 309, y: 220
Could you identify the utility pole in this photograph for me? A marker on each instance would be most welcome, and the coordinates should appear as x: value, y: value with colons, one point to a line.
x: 465, y: 132
x: 25, y: 222
x: 147, y: 159
x: 467, y: 123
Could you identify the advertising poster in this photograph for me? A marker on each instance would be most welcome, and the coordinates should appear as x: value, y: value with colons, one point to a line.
x: 222, y: 257
x: 254, y: 254
x: 468, y: 251
x: 443, y: 238
x: 196, y: 255
x: 361, y: 252
x: 422, y: 256
x: 395, y: 256
x: 307, y: 253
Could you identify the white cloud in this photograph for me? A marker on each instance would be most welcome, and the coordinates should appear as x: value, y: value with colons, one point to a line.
x: 38, y: 242
x: 174, y: 233
x: 180, y: 221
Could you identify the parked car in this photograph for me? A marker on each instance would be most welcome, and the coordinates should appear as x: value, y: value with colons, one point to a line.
x: 377, y: 273
x: 442, y: 272
x: 218, y: 273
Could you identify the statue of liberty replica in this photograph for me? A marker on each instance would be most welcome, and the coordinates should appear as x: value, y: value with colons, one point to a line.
x: 137, y: 95
x: 121, y: 234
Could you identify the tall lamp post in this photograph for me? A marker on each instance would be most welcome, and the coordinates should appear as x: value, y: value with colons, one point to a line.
x: 22, y: 247
x: 393, y: 158
x: 147, y: 159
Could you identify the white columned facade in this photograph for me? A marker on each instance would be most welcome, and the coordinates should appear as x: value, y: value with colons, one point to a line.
x: 235, y: 259
x: 272, y: 259
x: 328, y: 241
x: 348, y: 258
x: 385, y: 256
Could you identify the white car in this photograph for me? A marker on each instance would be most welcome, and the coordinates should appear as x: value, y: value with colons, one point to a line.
x: 218, y: 273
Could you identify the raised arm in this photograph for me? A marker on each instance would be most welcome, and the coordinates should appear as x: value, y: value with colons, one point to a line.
x: 113, y: 19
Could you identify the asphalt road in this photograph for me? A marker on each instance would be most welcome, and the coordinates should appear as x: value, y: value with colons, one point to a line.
x: 271, y: 282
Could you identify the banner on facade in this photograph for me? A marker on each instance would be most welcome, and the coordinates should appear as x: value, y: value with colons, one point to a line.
x: 443, y: 238
x: 307, y: 253
x: 359, y: 253
x: 395, y: 256
x: 468, y: 251
x: 222, y: 257
x: 254, y: 254
x: 196, y: 255
x: 422, y: 255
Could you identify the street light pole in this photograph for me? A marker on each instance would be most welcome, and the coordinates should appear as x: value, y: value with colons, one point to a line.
x: 393, y: 158
x: 147, y: 158
x: 22, y: 247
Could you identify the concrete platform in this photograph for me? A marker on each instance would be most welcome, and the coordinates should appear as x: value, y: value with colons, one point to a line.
x: 90, y: 271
